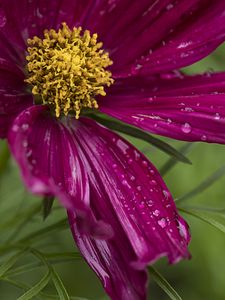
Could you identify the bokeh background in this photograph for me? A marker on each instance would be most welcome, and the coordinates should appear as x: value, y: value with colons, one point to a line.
x: 203, y: 277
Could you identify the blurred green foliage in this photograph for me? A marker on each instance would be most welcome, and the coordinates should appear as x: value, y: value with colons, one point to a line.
x: 51, y: 248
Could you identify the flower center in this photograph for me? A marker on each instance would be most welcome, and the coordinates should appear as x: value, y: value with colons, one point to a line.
x: 67, y: 69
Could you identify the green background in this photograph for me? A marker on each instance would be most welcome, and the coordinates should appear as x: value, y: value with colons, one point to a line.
x: 202, y: 277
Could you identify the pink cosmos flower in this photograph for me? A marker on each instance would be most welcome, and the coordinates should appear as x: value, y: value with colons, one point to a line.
x: 121, y: 213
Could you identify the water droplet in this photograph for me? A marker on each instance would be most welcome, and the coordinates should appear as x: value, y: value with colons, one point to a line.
x: 25, y: 144
x: 29, y: 153
x: 142, y: 204
x: 169, y: 6
x: 33, y: 161
x: 3, y: 18
x: 188, y: 109
x: 25, y: 127
x: 150, y: 99
x: 153, y: 182
x: 132, y: 178
x: 138, y: 67
x: 144, y: 163
x: 156, y: 213
x: 15, y: 128
x: 166, y: 194
x: 217, y: 116
x: 182, y: 230
x: 124, y: 182
x: 130, y: 161
x: 203, y: 137
x: 186, y: 128
x: 139, y: 188
x: 162, y: 223
x: 149, y: 203
x: 152, y: 172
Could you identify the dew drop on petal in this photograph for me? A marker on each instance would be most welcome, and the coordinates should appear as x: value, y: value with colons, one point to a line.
x: 203, y: 137
x: 132, y: 178
x: 188, y: 109
x: 217, y: 116
x: 124, y: 182
x: 153, y: 182
x: 130, y: 161
x: 182, y: 230
x: 25, y: 127
x: 162, y: 223
x: 150, y: 100
x: 25, y: 144
x: 169, y: 6
x: 3, y: 19
x: 156, y: 213
x: 166, y: 194
x: 186, y: 128
x: 152, y: 172
x: 15, y: 128
x: 144, y: 163
x: 142, y: 204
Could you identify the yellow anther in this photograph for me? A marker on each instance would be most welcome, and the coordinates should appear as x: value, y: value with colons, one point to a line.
x: 67, y: 69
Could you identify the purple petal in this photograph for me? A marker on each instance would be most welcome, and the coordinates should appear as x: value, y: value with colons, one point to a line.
x: 11, y: 104
x: 127, y: 192
x: 160, y: 35
x: 185, y: 108
x: 111, y: 262
x: 47, y: 154
x: 33, y: 17
x: 13, y: 97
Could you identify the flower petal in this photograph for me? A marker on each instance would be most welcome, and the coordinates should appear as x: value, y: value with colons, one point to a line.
x: 190, y: 108
x: 46, y: 152
x: 33, y: 17
x: 169, y: 34
x: 11, y: 104
x: 132, y: 189
x: 127, y: 192
x: 110, y: 259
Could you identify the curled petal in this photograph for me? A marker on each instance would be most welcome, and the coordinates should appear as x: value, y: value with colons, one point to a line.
x: 110, y: 259
x: 127, y: 192
x: 46, y: 152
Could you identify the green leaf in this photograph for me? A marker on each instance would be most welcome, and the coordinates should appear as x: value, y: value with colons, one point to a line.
x: 42, y: 295
x: 203, y: 185
x: 53, y: 258
x: 20, y: 218
x: 205, y: 218
x: 4, y: 156
x: 139, y: 134
x: 37, y: 288
x: 47, y: 206
x: 10, y: 262
x: 60, y: 225
x: 213, y: 210
x: 62, y: 292
x: 164, y: 284
x: 185, y: 149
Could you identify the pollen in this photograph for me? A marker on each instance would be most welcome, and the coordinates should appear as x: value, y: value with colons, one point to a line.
x: 67, y: 69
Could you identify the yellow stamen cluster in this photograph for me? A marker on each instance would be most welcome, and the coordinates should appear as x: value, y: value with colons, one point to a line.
x: 67, y: 69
